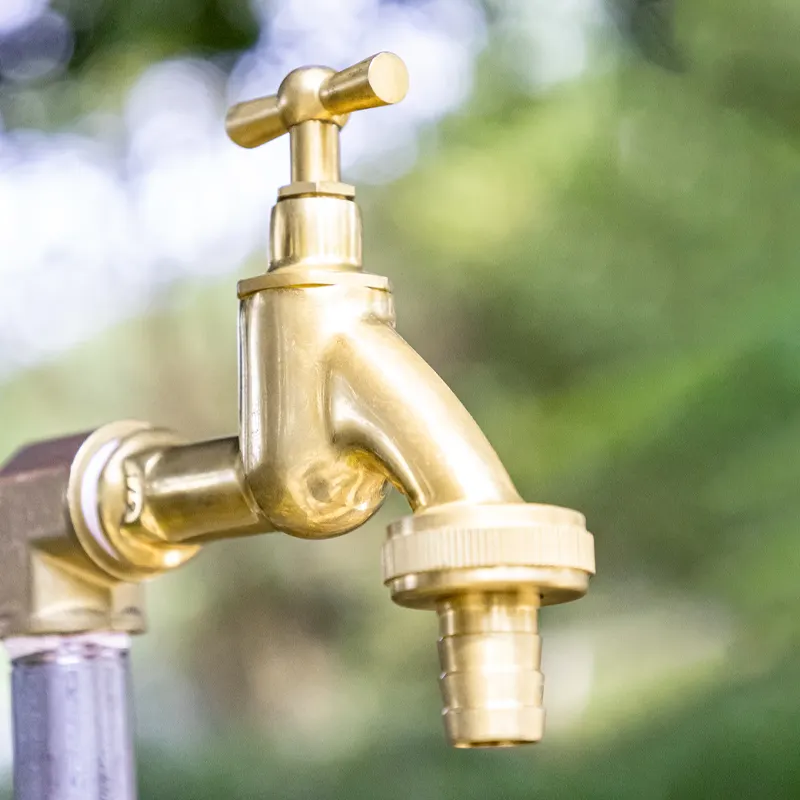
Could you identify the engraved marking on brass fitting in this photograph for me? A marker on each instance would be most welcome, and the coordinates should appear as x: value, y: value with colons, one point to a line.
x: 134, y: 493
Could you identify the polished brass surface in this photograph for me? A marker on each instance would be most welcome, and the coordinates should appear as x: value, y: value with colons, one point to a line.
x: 306, y: 483
x: 319, y: 94
x: 305, y: 188
x: 197, y: 492
x: 335, y: 408
x: 388, y: 402
x: 143, y: 500
x: 315, y: 231
x: 488, y: 547
x: 316, y: 223
x: 48, y: 584
x: 335, y: 405
x: 110, y: 503
x: 315, y: 152
x: 486, y: 569
x: 490, y: 651
x: 297, y: 277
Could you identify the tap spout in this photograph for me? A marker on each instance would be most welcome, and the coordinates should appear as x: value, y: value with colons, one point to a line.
x: 389, y: 403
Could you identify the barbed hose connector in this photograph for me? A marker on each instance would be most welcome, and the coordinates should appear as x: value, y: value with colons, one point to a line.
x: 486, y: 570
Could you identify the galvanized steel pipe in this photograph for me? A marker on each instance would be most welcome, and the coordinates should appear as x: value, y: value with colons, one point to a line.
x: 71, y: 717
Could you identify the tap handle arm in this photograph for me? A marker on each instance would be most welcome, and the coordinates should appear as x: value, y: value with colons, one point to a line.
x: 380, y: 80
x: 318, y: 93
x: 255, y: 122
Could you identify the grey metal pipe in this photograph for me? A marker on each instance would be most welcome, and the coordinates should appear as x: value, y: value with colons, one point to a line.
x: 72, y: 728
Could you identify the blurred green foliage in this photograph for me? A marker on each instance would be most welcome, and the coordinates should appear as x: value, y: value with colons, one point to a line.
x: 731, y: 743
x: 607, y: 274
x: 207, y: 27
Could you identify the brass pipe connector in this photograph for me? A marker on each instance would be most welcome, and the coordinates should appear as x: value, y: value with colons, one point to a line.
x: 143, y: 500
x: 335, y: 408
x: 48, y: 583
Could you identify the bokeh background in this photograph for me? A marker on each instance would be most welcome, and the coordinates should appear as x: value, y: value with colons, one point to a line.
x: 589, y: 211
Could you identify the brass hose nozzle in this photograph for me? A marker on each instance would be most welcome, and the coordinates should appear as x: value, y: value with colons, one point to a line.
x: 490, y: 654
x: 486, y: 570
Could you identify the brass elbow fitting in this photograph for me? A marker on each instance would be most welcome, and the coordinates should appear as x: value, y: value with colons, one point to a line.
x: 48, y: 583
x: 335, y: 408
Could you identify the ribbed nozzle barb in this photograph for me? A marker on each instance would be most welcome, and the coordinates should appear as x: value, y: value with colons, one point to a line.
x: 490, y: 652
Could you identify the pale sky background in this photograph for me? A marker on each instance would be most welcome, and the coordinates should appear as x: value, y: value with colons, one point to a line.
x: 97, y: 219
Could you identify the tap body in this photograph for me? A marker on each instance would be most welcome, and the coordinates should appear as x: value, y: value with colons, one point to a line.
x: 307, y: 478
x: 336, y: 406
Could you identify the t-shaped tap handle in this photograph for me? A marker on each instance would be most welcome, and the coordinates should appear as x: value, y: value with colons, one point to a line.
x: 315, y: 221
x: 324, y: 98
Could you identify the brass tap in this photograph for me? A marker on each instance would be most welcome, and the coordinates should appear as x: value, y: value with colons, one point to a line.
x: 335, y: 408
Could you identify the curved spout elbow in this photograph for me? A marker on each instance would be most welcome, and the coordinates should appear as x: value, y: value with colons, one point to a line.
x: 389, y: 403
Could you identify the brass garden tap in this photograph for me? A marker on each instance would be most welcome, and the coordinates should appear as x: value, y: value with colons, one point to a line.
x: 335, y: 408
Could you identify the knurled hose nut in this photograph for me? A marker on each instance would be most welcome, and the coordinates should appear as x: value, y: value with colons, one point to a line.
x: 491, y: 547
